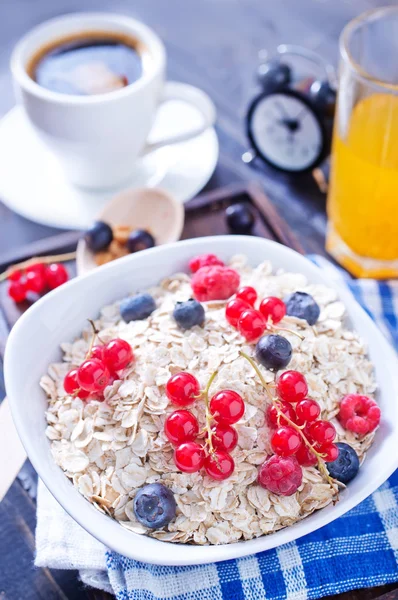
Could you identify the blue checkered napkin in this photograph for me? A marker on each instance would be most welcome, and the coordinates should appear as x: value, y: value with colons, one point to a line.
x: 358, y: 550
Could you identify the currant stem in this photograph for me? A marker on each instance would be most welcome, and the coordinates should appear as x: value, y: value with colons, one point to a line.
x: 275, y: 402
x: 277, y: 328
x: 209, y: 416
x: 272, y: 327
x: 266, y: 386
x: 95, y: 333
x: 36, y: 261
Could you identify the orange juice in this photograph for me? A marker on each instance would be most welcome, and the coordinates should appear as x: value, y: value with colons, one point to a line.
x: 363, y: 194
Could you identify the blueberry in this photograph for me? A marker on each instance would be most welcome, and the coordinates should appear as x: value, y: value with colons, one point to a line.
x: 346, y: 466
x: 154, y: 505
x: 140, y: 240
x: 303, y: 306
x: 189, y: 313
x: 273, y: 352
x: 98, y: 236
x: 240, y: 218
x: 273, y: 76
x: 137, y: 307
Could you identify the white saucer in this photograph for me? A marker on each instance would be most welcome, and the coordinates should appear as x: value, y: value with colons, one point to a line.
x: 32, y: 182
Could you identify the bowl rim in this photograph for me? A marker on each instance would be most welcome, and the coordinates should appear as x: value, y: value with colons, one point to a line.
x: 160, y: 552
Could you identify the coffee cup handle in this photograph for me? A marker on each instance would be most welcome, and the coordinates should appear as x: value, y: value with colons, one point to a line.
x: 174, y: 90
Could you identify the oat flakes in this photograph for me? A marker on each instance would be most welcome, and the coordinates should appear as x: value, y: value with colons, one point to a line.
x: 109, y: 449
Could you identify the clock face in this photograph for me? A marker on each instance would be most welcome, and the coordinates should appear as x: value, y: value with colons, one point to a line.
x: 286, y: 131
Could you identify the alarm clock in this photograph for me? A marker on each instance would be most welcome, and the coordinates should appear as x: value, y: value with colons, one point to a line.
x: 289, y: 123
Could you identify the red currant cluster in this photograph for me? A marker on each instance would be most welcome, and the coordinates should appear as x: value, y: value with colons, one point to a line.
x: 36, y: 278
x: 252, y: 323
x: 296, y: 419
x: 299, y: 437
x: 217, y: 440
x: 98, y: 369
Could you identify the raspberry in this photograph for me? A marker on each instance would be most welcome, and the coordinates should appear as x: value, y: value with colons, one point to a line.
x: 204, y: 260
x: 282, y: 476
x: 214, y: 283
x: 359, y: 414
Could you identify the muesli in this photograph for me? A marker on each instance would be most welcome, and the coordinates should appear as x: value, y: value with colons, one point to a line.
x: 214, y: 407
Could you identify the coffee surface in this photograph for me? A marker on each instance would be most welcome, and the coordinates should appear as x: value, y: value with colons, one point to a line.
x: 88, y: 64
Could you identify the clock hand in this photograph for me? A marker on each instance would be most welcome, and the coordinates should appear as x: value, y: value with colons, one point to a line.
x: 282, y: 109
x: 291, y: 125
x: 303, y: 110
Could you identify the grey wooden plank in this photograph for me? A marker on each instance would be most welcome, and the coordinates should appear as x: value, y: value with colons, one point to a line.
x: 212, y: 44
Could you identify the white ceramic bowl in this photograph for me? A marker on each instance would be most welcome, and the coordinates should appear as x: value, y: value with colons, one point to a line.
x: 61, y: 315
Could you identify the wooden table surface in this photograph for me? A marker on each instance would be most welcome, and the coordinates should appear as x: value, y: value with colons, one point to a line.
x: 212, y: 44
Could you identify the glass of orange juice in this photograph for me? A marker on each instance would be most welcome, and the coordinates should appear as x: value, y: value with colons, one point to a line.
x: 363, y: 192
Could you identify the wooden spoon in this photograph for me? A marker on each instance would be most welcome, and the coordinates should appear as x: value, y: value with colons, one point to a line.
x: 146, y: 208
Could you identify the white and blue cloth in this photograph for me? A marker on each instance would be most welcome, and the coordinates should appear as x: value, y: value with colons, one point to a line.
x: 359, y: 550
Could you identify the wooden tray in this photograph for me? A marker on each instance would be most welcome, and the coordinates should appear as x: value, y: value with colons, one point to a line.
x: 204, y: 215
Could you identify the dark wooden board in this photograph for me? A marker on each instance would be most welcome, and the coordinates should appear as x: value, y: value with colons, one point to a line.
x: 213, y: 44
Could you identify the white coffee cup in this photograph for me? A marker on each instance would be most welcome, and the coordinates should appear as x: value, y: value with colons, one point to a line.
x: 97, y: 138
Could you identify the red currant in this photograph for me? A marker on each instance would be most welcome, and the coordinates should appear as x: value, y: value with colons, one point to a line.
x: 182, y: 389
x: 322, y: 432
x: 305, y: 457
x: 330, y: 452
x: 181, y: 426
x: 292, y: 386
x: 274, y: 420
x: 224, y: 437
x: 14, y: 275
x: 39, y: 268
x: 247, y: 294
x: 189, y: 457
x: 93, y: 375
x: 117, y: 354
x: 83, y: 394
x: 227, y: 406
x: 307, y: 410
x: 17, y: 290
x: 285, y: 441
x: 35, y: 281
x: 281, y: 476
x: 56, y: 275
x: 251, y: 324
x: 219, y: 465
x: 98, y: 352
x: 273, y: 309
x: 234, y: 309
x: 71, y: 385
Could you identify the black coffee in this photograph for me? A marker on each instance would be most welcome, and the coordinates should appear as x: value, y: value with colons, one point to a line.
x: 87, y: 64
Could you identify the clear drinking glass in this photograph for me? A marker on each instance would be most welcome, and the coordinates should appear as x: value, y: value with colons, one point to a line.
x: 363, y: 193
